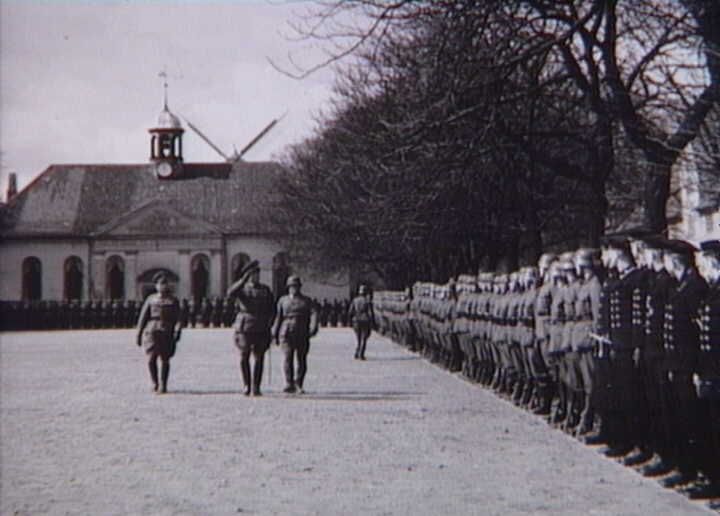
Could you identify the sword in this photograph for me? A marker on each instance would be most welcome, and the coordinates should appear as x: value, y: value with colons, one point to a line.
x: 602, y: 341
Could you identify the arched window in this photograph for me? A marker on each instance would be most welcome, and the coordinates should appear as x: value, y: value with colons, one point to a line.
x: 237, y: 263
x: 73, y: 278
x: 199, y: 276
x: 115, y: 277
x: 281, y: 271
x: 31, y: 279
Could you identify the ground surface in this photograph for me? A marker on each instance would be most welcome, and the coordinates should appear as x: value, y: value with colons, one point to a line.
x: 81, y: 433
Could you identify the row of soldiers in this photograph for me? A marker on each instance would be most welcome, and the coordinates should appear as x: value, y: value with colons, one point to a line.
x: 618, y: 346
x: 206, y: 313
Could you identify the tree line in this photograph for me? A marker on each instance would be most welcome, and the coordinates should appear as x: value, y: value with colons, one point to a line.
x: 476, y: 134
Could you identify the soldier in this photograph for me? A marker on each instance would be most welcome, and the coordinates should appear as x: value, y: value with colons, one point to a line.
x: 682, y: 347
x: 587, y: 310
x: 295, y: 323
x: 543, y: 301
x: 653, y: 356
x: 159, y: 330
x: 562, y: 312
x: 362, y: 315
x: 707, y: 377
x: 252, y: 325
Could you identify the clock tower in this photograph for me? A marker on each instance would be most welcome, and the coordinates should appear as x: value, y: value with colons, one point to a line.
x: 166, y: 144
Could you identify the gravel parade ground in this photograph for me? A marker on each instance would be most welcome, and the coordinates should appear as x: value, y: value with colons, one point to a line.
x: 82, y: 433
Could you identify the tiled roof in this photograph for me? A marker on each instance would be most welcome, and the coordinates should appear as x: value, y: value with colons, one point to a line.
x: 76, y: 200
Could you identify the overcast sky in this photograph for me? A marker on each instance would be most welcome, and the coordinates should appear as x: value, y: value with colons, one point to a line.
x: 79, y: 80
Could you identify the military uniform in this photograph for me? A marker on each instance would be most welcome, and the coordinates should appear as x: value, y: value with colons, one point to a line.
x: 295, y: 322
x: 682, y: 348
x: 256, y: 310
x: 159, y: 330
x: 362, y: 315
x: 707, y: 377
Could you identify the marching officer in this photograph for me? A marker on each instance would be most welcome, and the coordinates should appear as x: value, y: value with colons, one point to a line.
x: 158, y: 330
x: 256, y: 310
x: 362, y: 315
x: 295, y: 323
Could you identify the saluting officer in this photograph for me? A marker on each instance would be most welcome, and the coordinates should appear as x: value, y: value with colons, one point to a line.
x: 256, y: 309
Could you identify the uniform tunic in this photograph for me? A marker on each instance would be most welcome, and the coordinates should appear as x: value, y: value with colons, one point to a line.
x: 256, y: 309
x: 162, y: 314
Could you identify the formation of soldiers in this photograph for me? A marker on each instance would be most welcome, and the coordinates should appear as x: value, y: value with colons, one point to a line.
x: 66, y: 315
x: 618, y: 346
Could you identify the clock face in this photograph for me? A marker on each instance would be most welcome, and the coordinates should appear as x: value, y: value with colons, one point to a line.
x: 164, y: 169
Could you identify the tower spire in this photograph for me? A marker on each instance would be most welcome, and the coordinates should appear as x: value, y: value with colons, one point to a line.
x: 163, y: 74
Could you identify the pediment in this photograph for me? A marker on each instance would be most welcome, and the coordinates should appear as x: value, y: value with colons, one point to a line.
x: 156, y: 219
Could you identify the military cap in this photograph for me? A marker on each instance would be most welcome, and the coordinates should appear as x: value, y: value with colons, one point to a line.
x: 681, y: 247
x: 249, y: 267
x: 160, y: 275
x: 654, y: 241
x: 617, y: 242
x: 586, y: 256
x: 710, y: 246
x: 362, y: 289
x: 546, y: 259
x: 293, y: 281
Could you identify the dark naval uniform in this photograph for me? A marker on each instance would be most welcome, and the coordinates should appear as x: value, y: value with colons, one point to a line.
x: 707, y: 382
x: 682, y: 348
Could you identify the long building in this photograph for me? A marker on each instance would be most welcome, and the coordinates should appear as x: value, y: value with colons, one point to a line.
x: 101, y: 231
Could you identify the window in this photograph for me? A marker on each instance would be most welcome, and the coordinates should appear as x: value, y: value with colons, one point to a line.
x: 73, y: 278
x: 31, y: 279
x: 281, y: 271
x: 199, y: 276
x: 115, y: 278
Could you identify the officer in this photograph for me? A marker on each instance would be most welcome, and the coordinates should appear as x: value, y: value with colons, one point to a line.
x: 256, y: 310
x: 707, y: 377
x: 158, y: 330
x: 295, y: 323
x: 682, y: 347
x: 362, y: 315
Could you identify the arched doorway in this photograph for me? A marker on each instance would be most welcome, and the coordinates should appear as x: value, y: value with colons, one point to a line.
x: 115, y: 277
x: 199, y: 276
x: 237, y: 263
x: 31, y: 279
x: 280, y: 273
x: 73, y: 281
x: 145, y: 285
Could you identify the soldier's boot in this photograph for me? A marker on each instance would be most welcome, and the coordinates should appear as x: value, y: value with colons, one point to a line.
x: 496, y: 378
x: 518, y: 389
x: 587, y: 417
x: 544, y: 398
x: 152, y: 366
x: 257, y: 376
x: 559, y: 413
x: 245, y: 372
x: 164, y: 375
x: 528, y: 393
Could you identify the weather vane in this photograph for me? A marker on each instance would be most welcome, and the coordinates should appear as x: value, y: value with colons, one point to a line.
x: 164, y: 76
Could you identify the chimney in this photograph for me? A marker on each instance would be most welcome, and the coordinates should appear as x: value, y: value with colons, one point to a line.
x: 12, y: 186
